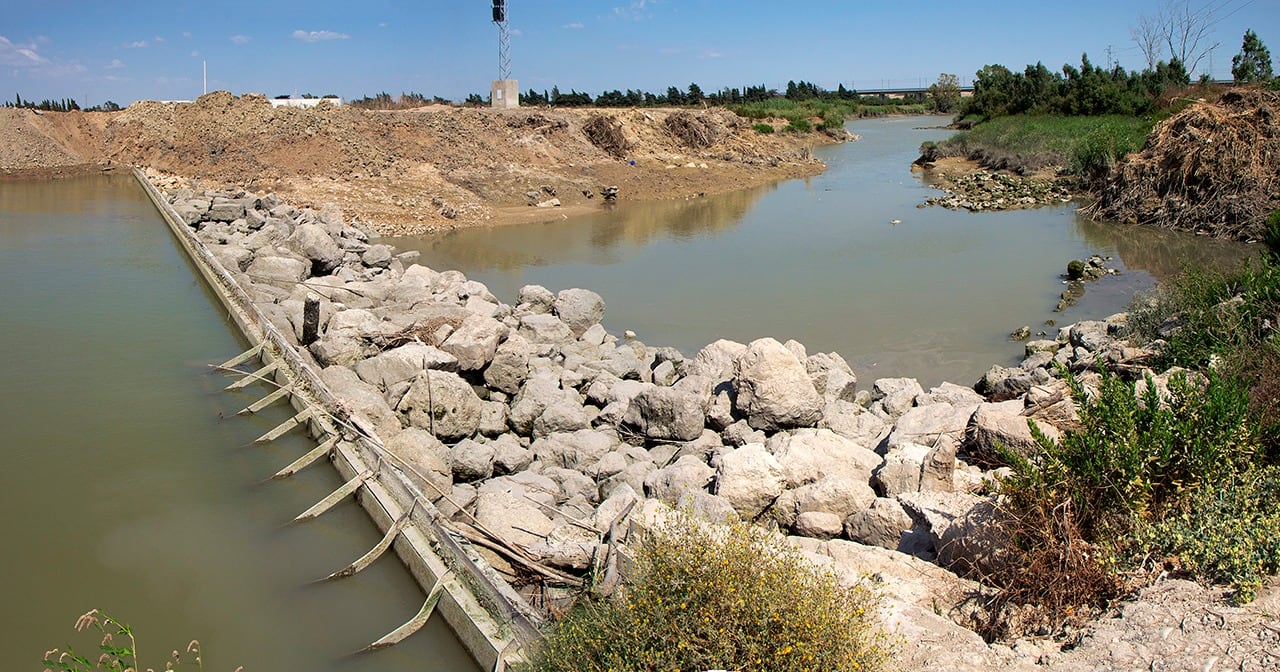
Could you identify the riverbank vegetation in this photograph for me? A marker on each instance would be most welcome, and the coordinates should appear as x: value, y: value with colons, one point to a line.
x: 703, y: 597
x: 1176, y: 473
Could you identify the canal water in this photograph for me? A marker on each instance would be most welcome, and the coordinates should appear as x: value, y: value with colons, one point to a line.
x: 130, y: 485
x: 821, y: 260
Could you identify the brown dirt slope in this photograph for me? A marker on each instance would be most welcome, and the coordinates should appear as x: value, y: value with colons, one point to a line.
x: 1213, y: 167
x: 420, y: 170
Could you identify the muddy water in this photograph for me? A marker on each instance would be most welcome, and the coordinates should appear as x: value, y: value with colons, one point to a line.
x: 933, y: 296
x: 125, y: 488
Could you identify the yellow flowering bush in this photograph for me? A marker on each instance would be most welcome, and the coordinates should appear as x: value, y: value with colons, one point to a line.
x: 732, y: 597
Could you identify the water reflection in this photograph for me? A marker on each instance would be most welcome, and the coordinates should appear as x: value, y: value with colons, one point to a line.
x: 1163, y: 253
x: 601, y: 238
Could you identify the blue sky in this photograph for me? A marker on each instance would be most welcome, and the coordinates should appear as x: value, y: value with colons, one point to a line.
x: 126, y: 51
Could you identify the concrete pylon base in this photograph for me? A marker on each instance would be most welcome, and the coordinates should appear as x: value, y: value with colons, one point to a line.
x: 504, y: 94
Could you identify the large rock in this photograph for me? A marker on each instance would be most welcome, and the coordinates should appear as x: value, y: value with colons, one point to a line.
x: 807, y: 455
x: 855, y: 423
x: 773, y: 388
x: 509, y: 367
x: 579, y: 309
x: 749, y: 478
x: 880, y: 524
x: 475, y: 341
x: 839, y: 494
x: 544, y: 328
x: 427, y: 458
x: 1003, y: 424
x: 961, y: 526
x: 366, y: 403
x: 896, y: 395
x: 277, y: 269
x: 404, y: 363
x: 472, y: 461
x: 575, y: 450
x: 444, y: 404
x: 687, y: 474
x: 314, y: 243
x: 925, y: 424
x: 541, y: 391
x: 512, y: 517
x: 666, y: 413
x: 832, y: 377
x: 715, y: 361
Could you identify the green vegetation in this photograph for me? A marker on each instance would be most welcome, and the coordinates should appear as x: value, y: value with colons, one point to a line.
x: 763, y: 128
x: 1089, y: 90
x: 1182, y: 471
x: 1086, y: 146
x: 118, y: 649
x: 1253, y: 63
x: 703, y: 597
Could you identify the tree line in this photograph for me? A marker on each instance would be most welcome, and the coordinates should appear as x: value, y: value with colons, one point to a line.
x: 62, y: 105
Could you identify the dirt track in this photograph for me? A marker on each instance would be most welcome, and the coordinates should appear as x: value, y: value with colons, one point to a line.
x: 418, y: 170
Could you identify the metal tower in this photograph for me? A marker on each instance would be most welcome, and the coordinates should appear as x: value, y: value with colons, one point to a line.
x: 505, y: 91
x: 504, y: 39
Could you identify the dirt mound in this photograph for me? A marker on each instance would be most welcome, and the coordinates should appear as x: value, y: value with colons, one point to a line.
x: 418, y: 170
x: 1213, y: 168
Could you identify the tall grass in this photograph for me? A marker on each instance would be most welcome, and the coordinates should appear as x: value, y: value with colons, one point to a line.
x: 1085, y: 146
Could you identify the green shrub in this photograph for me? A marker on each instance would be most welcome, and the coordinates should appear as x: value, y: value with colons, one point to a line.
x: 1074, y: 509
x: 763, y: 128
x: 730, y: 597
x: 799, y: 125
x: 1228, y: 533
x: 1271, y: 234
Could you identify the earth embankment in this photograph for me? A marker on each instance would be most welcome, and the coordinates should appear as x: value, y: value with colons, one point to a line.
x: 420, y: 170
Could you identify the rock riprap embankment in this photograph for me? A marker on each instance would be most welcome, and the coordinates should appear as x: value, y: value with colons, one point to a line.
x: 533, y: 422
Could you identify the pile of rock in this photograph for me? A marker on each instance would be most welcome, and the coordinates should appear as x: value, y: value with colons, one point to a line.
x: 983, y: 190
x: 534, y: 423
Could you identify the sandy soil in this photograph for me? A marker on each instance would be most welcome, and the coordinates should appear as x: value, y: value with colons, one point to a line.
x: 415, y: 171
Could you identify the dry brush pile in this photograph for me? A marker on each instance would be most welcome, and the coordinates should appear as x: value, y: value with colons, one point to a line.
x: 1214, y: 167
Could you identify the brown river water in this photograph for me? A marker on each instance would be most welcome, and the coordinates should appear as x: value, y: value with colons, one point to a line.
x: 933, y: 297
x: 129, y: 483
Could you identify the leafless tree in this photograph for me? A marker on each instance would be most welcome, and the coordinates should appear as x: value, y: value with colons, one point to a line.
x: 1147, y: 36
x: 1182, y: 27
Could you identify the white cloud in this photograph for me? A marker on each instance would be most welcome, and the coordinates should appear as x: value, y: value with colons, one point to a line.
x: 382, y: 24
x: 26, y: 58
x: 19, y: 55
x: 240, y: 39
x: 319, y: 35
x: 516, y: 32
x: 195, y: 53
x: 186, y: 33
x: 140, y: 44
x: 115, y: 64
x: 576, y: 25
x: 157, y: 39
x: 710, y: 53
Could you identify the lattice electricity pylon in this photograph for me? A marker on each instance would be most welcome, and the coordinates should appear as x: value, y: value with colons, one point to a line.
x: 504, y: 39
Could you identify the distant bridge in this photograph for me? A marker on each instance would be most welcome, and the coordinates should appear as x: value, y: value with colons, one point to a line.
x: 904, y: 92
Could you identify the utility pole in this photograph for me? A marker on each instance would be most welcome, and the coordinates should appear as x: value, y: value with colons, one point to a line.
x: 1110, y: 61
